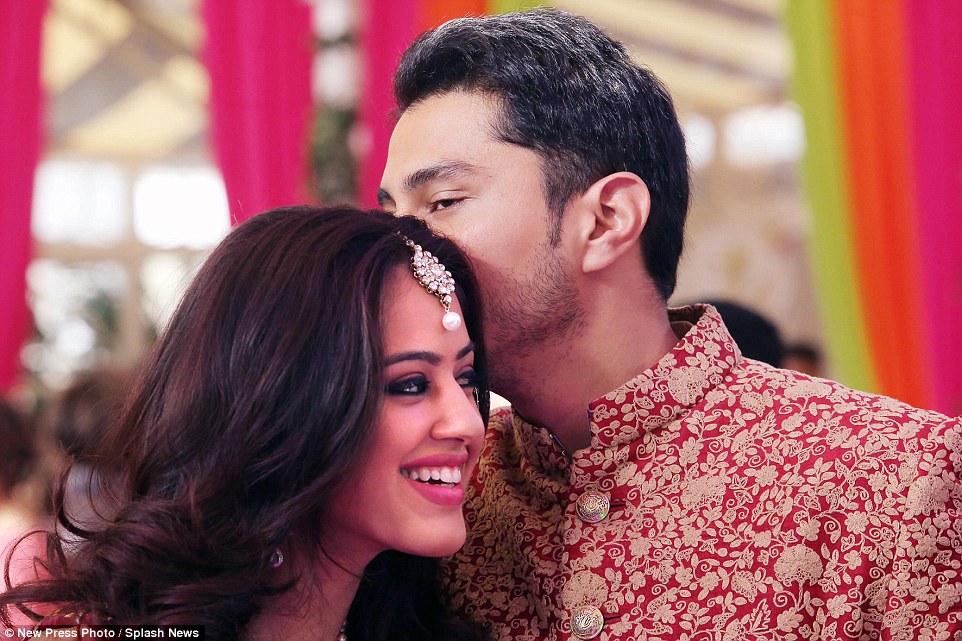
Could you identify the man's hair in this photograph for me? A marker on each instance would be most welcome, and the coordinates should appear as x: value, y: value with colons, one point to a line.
x: 574, y: 96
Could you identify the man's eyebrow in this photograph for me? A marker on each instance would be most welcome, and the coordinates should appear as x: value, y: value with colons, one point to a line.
x: 443, y: 169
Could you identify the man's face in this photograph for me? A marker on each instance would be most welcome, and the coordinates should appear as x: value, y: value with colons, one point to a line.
x: 446, y: 167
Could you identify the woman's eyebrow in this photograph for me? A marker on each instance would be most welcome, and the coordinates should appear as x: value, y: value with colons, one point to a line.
x: 464, y: 351
x: 431, y: 357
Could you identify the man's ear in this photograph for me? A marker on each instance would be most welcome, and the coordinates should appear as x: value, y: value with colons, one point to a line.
x: 615, y: 210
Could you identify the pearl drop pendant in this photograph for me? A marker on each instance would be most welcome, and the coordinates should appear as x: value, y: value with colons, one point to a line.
x: 451, y: 321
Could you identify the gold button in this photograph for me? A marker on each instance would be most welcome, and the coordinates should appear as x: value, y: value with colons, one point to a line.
x: 587, y: 622
x: 593, y: 506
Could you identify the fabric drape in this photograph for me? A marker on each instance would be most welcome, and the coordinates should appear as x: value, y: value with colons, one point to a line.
x: 880, y: 86
x: 259, y: 55
x: 935, y: 55
x: 20, y: 143
x: 381, y: 49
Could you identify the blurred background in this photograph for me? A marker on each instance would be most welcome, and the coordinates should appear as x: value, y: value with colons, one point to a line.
x: 824, y: 136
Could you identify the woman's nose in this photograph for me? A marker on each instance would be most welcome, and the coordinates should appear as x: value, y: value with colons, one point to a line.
x: 458, y: 415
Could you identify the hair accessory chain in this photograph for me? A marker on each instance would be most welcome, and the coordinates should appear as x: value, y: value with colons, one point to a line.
x: 436, y: 280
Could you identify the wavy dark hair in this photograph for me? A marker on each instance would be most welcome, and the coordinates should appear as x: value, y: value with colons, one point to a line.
x: 257, y: 401
x: 573, y: 96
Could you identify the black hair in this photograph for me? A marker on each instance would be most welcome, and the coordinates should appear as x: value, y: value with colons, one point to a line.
x: 573, y: 95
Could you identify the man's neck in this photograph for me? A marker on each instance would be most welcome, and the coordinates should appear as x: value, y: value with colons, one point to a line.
x: 554, y: 387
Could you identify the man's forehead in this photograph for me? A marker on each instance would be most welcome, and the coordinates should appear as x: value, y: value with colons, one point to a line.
x: 457, y: 109
x: 437, y: 144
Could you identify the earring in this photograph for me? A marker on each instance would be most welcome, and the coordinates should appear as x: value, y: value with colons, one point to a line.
x: 276, y: 559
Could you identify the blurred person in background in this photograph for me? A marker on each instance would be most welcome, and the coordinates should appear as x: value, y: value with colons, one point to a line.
x: 22, y: 486
x: 295, y: 451
x: 78, y: 416
x: 804, y: 358
x: 77, y: 420
x: 756, y: 336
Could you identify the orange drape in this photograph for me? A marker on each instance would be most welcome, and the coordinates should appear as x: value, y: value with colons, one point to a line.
x: 871, y: 41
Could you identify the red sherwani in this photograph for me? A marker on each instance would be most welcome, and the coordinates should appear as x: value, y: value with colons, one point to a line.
x: 743, y: 502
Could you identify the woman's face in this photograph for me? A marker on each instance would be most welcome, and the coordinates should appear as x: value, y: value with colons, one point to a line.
x: 408, y: 492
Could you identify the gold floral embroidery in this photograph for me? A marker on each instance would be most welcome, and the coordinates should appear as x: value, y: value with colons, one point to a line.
x: 746, y: 503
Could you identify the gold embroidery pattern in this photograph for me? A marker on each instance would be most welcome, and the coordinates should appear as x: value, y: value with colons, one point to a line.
x: 747, y: 503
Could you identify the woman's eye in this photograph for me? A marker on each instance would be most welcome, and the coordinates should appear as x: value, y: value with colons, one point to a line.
x: 468, y: 379
x: 408, y: 386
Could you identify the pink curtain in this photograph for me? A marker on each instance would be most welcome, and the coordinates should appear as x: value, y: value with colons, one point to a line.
x: 935, y: 54
x: 20, y: 142
x: 259, y: 56
x: 387, y: 28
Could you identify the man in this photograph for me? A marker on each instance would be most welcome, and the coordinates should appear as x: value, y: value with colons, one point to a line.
x: 649, y: 482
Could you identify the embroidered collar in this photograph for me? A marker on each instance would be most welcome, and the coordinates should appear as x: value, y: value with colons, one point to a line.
x: 654, y: 398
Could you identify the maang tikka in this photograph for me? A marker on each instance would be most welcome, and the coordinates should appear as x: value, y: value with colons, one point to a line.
x: 436, y: 280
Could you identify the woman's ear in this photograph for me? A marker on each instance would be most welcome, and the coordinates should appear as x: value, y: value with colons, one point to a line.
x: 615, y: 210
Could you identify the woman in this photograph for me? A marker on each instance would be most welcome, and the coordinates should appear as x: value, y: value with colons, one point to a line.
x: 306, y: 418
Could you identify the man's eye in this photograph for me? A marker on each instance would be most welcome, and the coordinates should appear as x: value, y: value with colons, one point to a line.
x: 408, y: 386
x: 444, y: 203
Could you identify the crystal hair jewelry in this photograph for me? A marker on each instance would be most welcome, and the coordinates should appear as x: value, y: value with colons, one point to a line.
x: 276, y: 559
x: 438, y: 282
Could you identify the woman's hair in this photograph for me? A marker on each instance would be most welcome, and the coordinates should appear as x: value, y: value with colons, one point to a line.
x: 258, y: 400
